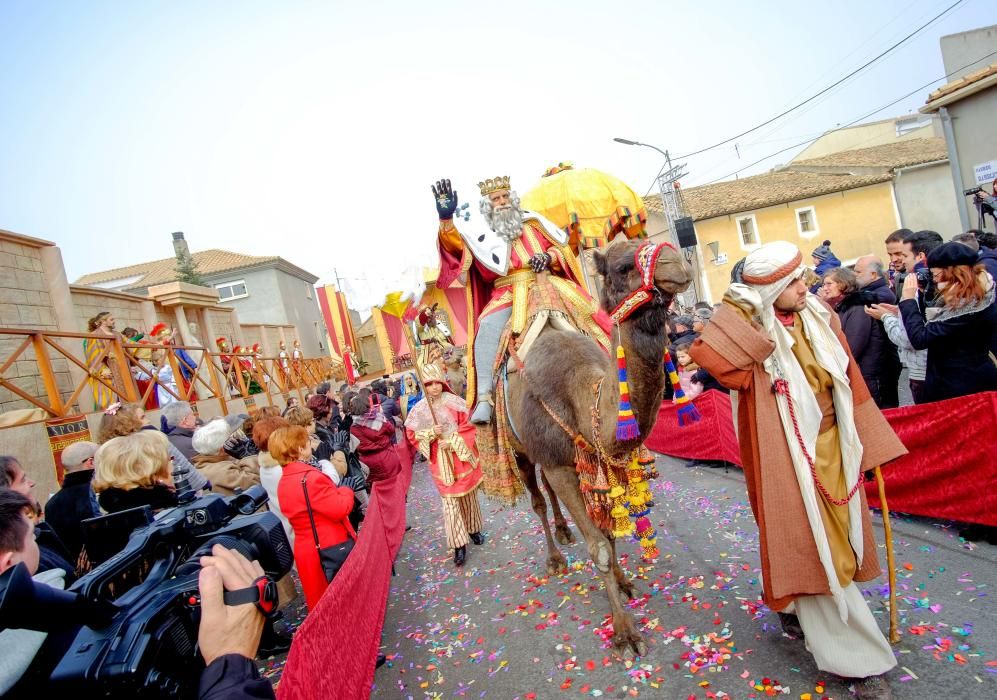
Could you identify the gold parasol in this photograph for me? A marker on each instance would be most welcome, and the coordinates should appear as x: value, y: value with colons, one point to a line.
x: 591, y: 205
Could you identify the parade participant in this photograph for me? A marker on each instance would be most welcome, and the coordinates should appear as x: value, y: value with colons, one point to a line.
x: 164, y: 335
x: 784, y: 352
x: 97, y: 355
x: 297, y: 356
x: 438, y: 428
x: 411, y: 394
x: 348, y: 366
x: 499, y: 261
x: 435, y: 340
x: 284, y: 362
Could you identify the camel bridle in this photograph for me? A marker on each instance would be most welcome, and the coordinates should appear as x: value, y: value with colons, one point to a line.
x: 645, y: 259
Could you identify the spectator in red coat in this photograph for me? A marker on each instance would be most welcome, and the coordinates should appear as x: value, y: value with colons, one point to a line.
x: 330, y: 507
x: 376, y: 434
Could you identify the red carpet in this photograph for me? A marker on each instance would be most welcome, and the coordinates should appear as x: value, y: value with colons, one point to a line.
x: 335, y: 648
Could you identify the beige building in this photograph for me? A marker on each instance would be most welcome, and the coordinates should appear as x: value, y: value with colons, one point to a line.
x: 854, y: 198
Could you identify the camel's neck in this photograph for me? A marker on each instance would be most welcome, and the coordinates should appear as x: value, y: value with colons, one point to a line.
x: 645, y: 378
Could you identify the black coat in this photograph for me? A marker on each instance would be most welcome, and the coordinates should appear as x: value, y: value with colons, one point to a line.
x: 881, y: 291
x: 181, y: 439
x: 866, y: 337
x: 69, y: 507
x: 156, y: 497
x: 958, y: 348
x: 233, y: 677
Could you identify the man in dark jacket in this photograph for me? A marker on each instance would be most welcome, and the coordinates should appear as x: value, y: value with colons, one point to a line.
x: 75, y: 501
x: 872, y: 280
x: 988, y: 250
x: 681, y: 330
x: 181, y: 422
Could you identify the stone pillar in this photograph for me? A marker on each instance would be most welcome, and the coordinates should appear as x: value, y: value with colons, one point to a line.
x: 149, y: 314
x: 237, y: 338
x: 268, y: 350
x: 182, y: 326
x: 61, y: 300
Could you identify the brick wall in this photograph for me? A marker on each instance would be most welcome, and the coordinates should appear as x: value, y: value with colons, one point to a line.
x: 221, y: 322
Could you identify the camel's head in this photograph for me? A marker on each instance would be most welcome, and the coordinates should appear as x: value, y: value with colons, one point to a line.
x: 621, y: 277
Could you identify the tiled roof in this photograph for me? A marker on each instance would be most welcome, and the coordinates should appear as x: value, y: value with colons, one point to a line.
x: 899, y: 154
x: 749, y: 193
x: 788, y: 185
x: 161, y: 271
x: 964, y: 81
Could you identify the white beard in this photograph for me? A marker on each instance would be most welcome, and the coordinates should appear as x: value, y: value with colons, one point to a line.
x: 507, y: 222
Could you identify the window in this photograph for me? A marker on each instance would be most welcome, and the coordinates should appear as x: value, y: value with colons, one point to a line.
x: 748, y: 231
x: 227, y: 291
x: 806, y: 222
x: 308, y: 290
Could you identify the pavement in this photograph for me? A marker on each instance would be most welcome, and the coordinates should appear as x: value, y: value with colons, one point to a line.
x: 501, y: 628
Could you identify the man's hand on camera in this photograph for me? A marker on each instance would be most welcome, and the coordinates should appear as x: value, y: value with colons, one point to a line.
x: 227, y: 629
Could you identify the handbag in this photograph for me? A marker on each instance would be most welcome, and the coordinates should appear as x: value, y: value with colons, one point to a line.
x: 331, y: 558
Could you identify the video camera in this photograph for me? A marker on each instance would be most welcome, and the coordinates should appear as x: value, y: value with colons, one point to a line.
x: 971, y: 191
x: 139, y: 611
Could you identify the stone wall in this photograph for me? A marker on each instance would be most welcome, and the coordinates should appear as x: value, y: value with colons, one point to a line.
x: 221, y: 322
x: 25, y: 303
x: 126, y: 308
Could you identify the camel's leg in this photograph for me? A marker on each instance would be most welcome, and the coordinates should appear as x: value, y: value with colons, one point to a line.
x: 556, y: 563
x: 625, y: 584
x: 565, y: 483
x: 562, y: 532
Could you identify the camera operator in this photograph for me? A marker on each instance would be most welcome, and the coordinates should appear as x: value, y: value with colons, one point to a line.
x: 986, y: 203
x: 17, y: 545
x: 229, y: 635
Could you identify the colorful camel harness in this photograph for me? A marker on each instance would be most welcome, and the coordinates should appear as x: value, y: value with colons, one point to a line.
x: 615, y: 488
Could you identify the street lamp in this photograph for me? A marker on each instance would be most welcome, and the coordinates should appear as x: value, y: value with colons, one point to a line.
x: 628, y: 142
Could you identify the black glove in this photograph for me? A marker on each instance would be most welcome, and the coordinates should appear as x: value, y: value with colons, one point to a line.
x: 540, y: 262
x: 341, y: 442
x: 354, y: 482
x: 446, y: 199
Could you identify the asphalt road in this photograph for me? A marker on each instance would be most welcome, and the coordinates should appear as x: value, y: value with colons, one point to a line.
x: 500, y: 628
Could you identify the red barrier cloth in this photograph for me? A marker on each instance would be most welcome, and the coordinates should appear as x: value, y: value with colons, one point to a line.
x: 950, y: 471
x: 710, y: 438
x: 335, y: 648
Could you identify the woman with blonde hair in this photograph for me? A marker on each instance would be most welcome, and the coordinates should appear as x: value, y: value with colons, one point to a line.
x: 122, y: 419
x: 134, y: 470
x: 317, y: 509
x: 959, y: 336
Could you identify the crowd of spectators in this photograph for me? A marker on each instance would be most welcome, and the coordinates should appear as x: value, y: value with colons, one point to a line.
x: 317, y: 463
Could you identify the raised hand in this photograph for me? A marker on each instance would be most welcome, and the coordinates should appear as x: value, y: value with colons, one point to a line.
x: 446, y: 199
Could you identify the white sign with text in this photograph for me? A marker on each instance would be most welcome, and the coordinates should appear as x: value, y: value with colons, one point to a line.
x: 985, y: 172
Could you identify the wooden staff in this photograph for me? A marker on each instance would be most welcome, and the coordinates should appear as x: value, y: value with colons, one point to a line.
x: 894, y: 632
x: 410, y: 339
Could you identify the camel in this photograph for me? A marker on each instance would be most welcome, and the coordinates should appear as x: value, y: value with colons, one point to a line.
x: 561, y: 369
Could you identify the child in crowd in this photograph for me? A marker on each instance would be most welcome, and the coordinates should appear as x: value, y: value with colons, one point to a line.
x: 687, y: 369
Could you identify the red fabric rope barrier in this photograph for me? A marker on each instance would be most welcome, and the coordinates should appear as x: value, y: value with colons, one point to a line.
x: 335, y: 648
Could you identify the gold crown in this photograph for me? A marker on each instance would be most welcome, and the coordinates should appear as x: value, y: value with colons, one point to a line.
x: 494, y: 185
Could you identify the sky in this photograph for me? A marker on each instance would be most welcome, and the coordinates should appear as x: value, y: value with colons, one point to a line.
x: 313, y: 130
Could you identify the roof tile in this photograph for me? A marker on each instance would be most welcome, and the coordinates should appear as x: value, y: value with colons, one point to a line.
x: 161, y: 271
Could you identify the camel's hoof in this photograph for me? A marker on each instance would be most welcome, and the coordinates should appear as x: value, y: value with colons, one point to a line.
x: 563, y: 534
x: 557, y: 565
x: 628, y: 643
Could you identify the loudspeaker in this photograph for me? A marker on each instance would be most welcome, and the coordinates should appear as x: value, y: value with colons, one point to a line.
x: 685, y: 231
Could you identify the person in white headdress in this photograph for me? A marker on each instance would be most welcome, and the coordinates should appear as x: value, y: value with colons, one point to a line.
x: 782, y: 349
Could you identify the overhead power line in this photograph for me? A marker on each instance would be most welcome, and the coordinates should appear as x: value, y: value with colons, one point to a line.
x: 855, y: 121
x: 815, y: 95
x: 829, y: 87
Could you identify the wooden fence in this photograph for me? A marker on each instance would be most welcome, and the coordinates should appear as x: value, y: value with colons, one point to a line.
x: 117, y: 368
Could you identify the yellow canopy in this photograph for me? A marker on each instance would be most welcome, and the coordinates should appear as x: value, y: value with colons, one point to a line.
x: 592, y: 205
x: 395, y: 305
